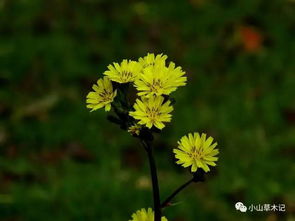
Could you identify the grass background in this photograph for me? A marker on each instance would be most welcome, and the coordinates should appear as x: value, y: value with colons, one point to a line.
x: 60, y: 162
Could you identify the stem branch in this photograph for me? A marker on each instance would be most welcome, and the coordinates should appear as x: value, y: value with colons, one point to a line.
x: 183, y: 186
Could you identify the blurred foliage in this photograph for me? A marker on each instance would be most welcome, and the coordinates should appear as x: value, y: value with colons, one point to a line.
x: 58, y: 161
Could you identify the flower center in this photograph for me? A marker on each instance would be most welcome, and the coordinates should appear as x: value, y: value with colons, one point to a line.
x: 196, y: 154
x: 156, y: 85
x: 149, y: 64
x: 126, y: 75
x: 106, y: 96
x: 153, y: 113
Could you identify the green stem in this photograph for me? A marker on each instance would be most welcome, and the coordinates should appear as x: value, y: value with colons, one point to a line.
x: 155, y: 184
x: 183, y: 186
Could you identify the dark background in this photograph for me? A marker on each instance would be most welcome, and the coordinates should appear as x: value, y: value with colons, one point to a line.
x: 58, y: 161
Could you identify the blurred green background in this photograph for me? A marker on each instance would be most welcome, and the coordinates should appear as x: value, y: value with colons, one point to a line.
x: 58, y: 161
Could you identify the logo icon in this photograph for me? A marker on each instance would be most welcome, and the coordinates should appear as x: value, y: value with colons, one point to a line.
x: 240, y: 206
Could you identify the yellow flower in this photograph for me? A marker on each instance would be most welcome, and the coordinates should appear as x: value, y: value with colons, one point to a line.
x: 152, y: 111
x: 145, y: 215
x: 196, y: 151
x: 125, y: 72
x: 151, y: 60
x: 102, y: 96
x: 160, y: 80
x: 135, y: 129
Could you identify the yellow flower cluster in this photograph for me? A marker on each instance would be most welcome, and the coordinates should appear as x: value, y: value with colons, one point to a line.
x: 145, y: 215
x: 153, y: 80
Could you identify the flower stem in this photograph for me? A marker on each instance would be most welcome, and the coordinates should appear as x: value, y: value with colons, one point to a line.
x: 183, y: 186
x: 155, y: 184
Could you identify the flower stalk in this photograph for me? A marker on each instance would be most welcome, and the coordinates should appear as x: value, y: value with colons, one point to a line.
x: 155, y: 183
x: 197, y: 177
x: 179, y: 189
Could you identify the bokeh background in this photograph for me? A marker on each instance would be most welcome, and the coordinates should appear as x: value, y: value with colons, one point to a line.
x: 58, y: 161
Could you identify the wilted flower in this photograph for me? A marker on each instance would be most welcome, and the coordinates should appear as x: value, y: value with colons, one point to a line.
x: 135, y: 129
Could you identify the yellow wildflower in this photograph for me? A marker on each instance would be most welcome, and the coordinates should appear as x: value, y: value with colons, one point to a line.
x: 102, y: 96
x: 151, y: 60
x: 152, y: 111
x: 125, y: 72
x: 145, y: 215
x: 196, y: 151
x: 135, y: 129
x: 160, y: 80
